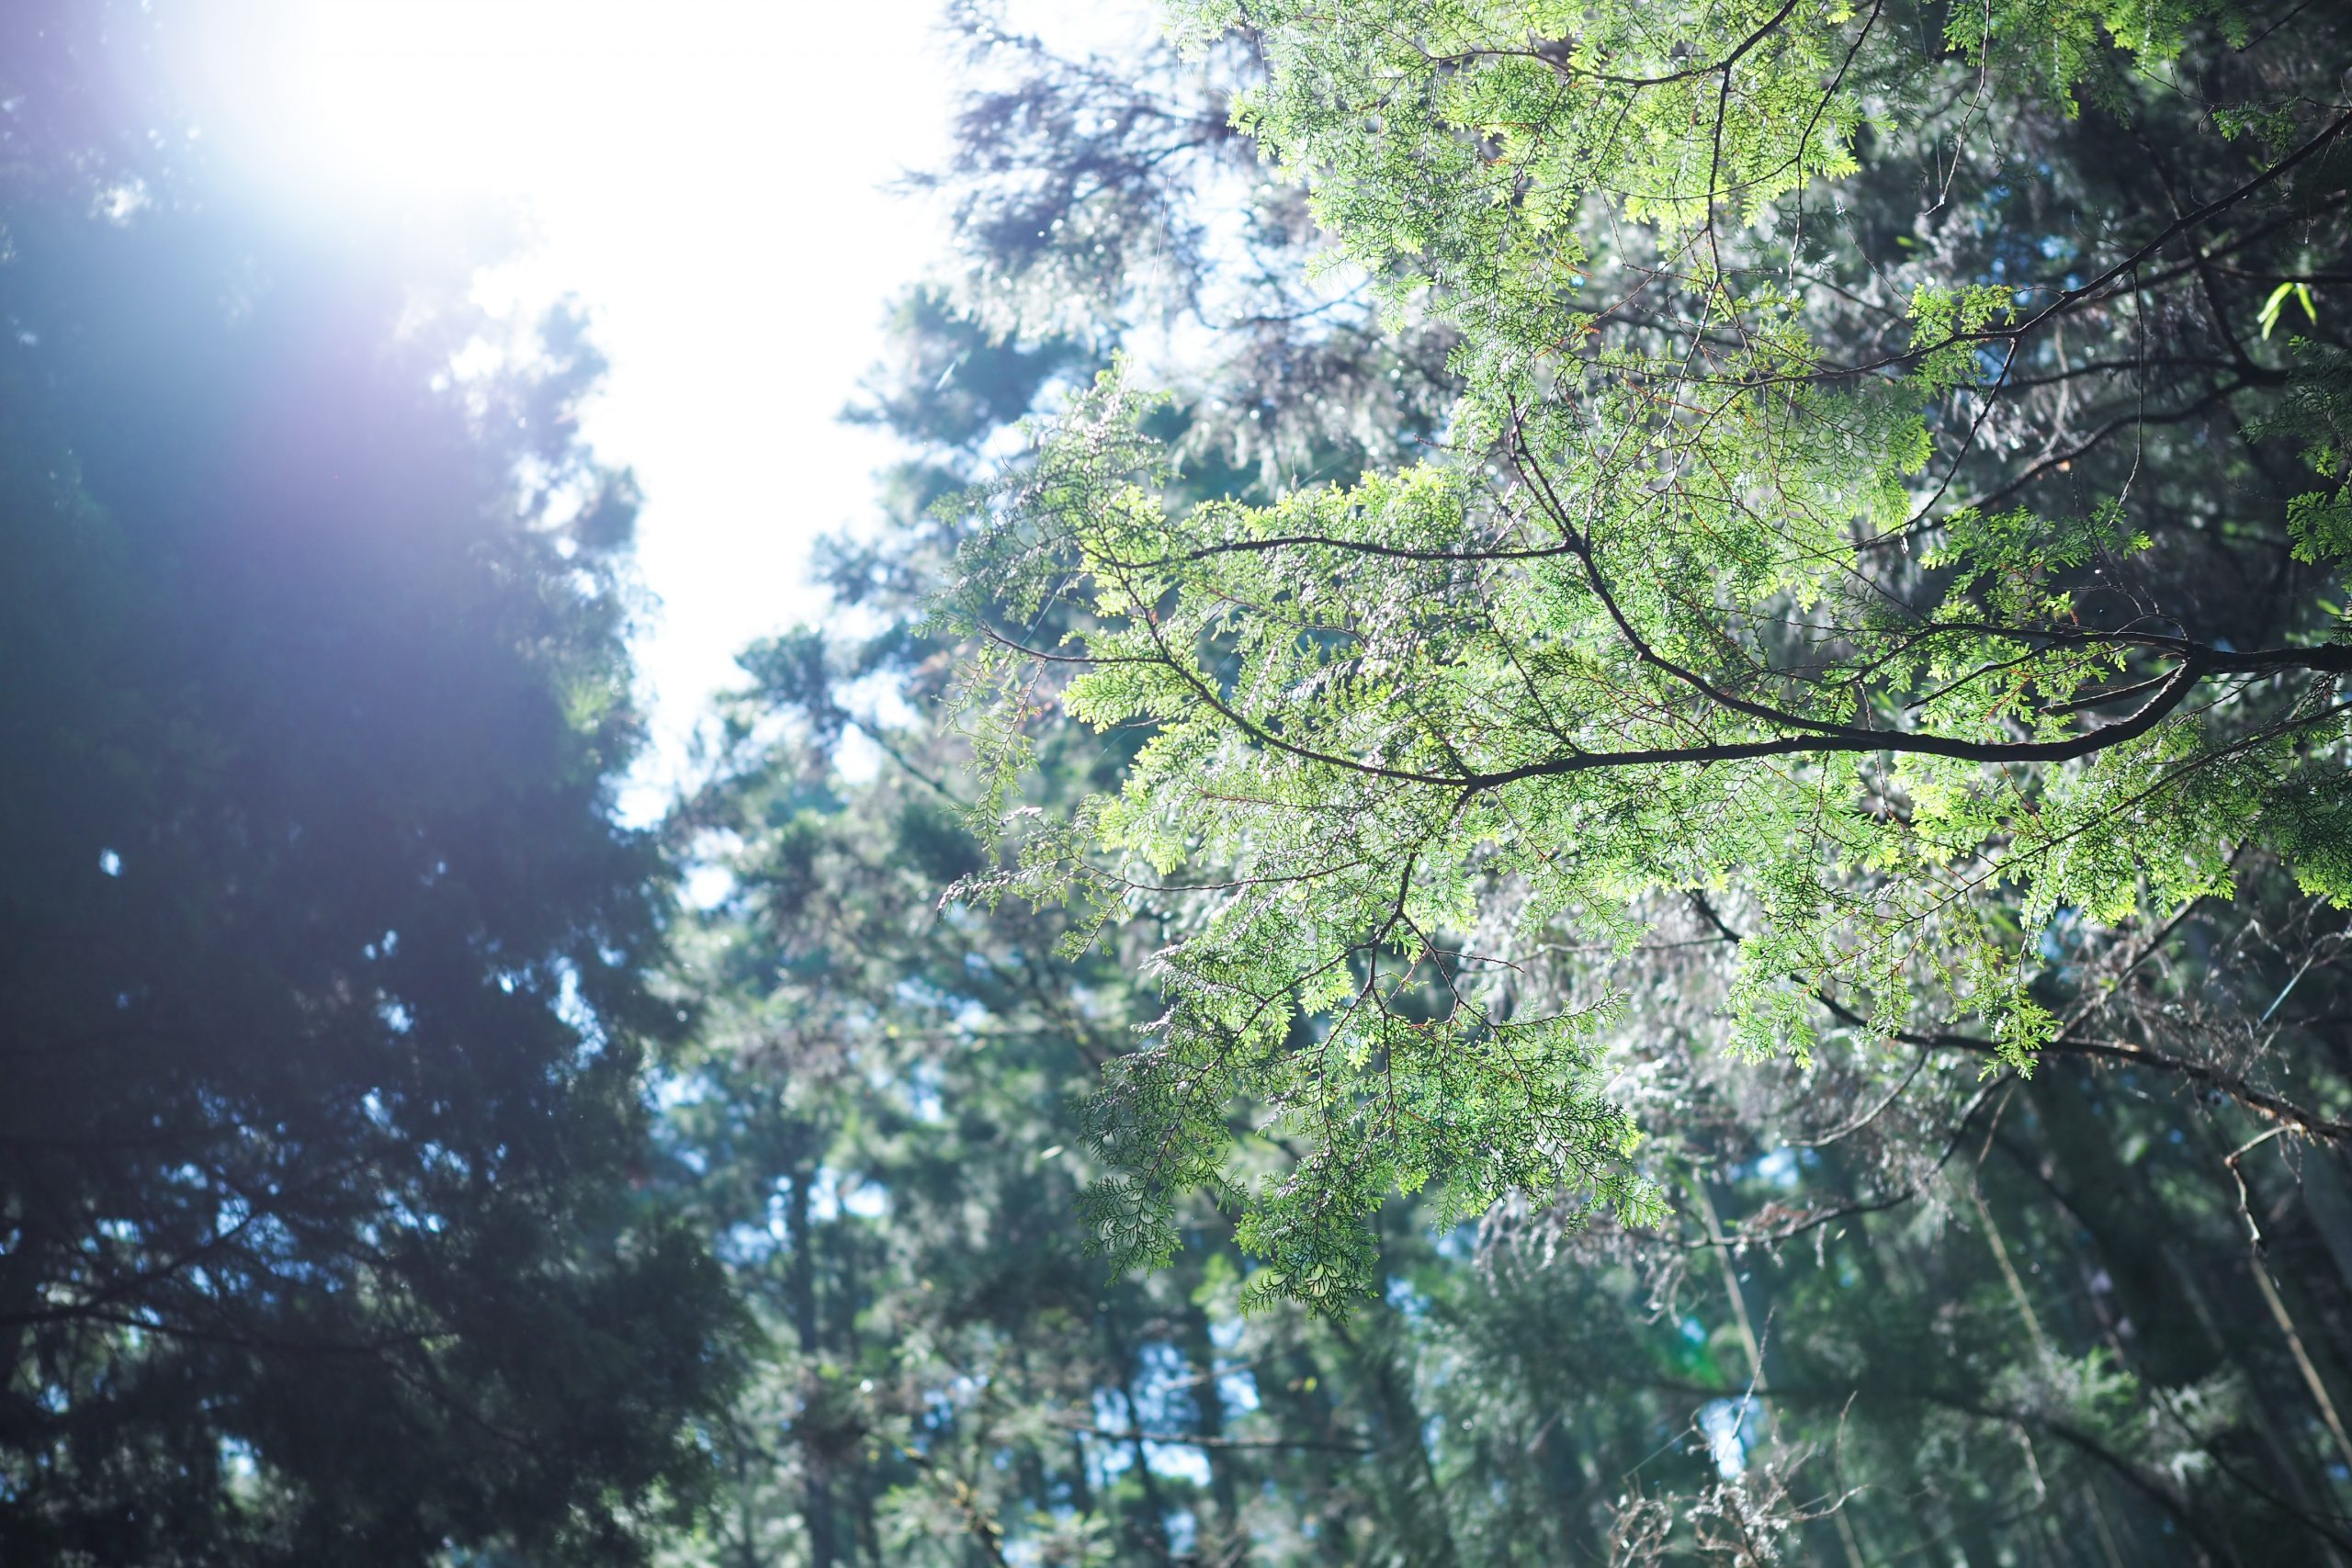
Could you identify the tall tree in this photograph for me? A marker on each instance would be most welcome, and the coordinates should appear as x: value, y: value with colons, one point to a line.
x: 1901, y: 1308
x: 323, y: 958
x: 1858, y: 578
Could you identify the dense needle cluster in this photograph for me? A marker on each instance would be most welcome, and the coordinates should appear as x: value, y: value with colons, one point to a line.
x: 1751, y: 568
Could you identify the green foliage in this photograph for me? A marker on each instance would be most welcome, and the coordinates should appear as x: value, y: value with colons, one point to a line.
x: 1685, y: 610
x: 323, y: 959
x: 2317, y: 413
x: 1900, y: 1308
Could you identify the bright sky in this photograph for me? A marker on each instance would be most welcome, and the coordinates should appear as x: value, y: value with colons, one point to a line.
x: 709, y: 177
x: 706, y: 175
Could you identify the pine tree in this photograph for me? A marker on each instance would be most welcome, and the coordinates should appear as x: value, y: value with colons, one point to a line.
x: 325, y: 967
x: 1736, y: 583
x: 1902, y: 1296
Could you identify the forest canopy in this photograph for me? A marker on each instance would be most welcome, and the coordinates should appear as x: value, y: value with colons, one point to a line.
x: 1582, y: 798
x: 1727, y: 609
x: 323, y: 956
x: 1853, y: 583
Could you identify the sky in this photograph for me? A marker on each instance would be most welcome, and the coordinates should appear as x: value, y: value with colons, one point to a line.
x: 709, y: 177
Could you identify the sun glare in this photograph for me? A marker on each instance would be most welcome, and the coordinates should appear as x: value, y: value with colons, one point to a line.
x: 707, y: 176
x: 457, y: 99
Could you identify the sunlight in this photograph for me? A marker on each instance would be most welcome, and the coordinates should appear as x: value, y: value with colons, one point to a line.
x: 691, y: 172
x: 441, y: 100
x: 1445, y: 784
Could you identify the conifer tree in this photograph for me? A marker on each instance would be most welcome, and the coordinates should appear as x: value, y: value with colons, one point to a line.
x: 1877, y: 585
x: 1901, y: 1297
x: 323, y: 962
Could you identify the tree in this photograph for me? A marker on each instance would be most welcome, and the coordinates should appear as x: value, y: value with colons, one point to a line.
x: 1967, y: 1295
x: 1901, y: 1308
x: 1914, y: 565
x: 324, y: 960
